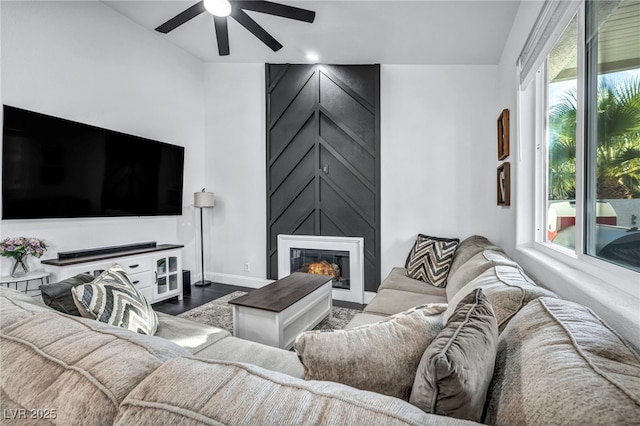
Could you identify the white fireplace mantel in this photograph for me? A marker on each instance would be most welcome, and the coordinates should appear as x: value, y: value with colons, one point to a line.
x: 353, y: 245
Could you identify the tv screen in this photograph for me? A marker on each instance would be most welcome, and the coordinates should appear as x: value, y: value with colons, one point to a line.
x: 56, y: 168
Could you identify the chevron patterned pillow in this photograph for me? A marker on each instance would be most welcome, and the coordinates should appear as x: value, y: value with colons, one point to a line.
x: 112, y: 298
x: 430, y: 259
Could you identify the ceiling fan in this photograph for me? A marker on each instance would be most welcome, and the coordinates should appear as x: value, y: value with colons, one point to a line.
x: 220, y: 9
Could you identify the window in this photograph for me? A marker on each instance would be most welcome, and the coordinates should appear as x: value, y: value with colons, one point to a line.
x: 613, y: 132
x: 591, y: 159
x: 562, y: 101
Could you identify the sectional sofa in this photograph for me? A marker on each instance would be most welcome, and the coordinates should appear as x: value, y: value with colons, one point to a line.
x: 555, y: 361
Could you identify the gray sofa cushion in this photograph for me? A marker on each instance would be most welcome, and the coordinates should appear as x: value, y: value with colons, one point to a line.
x: 508, y: 289
x: 239, y: 350
x: 397, y: 280
x: 80, y: 368
x: 389, y: 302
x: 196, y: 392
x: 380, y: 357
x: 456, y: 369
x: 558, y: 363
x: 192, y: 336
x: 364, y: 318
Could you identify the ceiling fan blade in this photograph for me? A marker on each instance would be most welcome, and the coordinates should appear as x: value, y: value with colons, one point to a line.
x: 277, y: 9
x: 222, y: 34
x: 255, y: 29
x: 182, y: 17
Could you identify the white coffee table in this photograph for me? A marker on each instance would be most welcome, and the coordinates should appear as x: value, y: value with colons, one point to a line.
x: 276, y: 313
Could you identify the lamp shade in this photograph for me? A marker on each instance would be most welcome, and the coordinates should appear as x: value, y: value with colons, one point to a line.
x: 203, y: 199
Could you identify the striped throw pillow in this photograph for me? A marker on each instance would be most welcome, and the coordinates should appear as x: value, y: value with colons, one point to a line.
x: 112, y: 298
x: 430, y: 259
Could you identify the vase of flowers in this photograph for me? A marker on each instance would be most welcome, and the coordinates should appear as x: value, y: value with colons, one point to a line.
x: 19, y: 249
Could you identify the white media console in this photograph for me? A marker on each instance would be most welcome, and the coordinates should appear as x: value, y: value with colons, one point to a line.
x: 156, y: 270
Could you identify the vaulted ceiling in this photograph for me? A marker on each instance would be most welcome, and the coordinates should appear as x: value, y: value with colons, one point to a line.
x: 347, y: 31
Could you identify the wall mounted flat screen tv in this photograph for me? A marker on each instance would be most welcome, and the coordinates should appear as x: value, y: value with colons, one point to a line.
x: 56, y: 168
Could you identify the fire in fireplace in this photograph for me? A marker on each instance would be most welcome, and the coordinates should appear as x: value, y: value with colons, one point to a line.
x: 321, y: 268
x: 331, y: 263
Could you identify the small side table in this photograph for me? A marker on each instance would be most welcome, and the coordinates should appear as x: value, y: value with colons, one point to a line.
x: 31, y: 276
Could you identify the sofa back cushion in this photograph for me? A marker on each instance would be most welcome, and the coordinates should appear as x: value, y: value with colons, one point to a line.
x: 80, y: 368
x: 473, y: 268
x: 196, y: 391
x: 508, y: 289
x: 468, y: 248
x: 558, y: 363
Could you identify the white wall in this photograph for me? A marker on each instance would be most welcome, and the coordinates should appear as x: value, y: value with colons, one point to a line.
x: 438, y: 145
x: 235, y: 149
x: 522, y: 189
x: 85, y: 62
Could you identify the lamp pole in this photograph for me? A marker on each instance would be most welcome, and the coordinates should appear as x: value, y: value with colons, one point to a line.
x: 202, y: 200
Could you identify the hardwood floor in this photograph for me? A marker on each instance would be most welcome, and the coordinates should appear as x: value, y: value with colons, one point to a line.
x: 201, y: 295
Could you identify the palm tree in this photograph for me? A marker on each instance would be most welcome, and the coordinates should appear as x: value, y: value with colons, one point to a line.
x: 618, y: 147
x: 562, y: 149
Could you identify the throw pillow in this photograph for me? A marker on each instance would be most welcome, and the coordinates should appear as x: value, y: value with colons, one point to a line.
x: 113, y: 299
x: 380, y: 357
x: 456, y: 369
x: 58, y: 295
x: 430, y: 259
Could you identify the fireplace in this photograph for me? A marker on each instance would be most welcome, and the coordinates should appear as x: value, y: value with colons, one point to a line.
x: 341, y: 258
x: 332, y: 263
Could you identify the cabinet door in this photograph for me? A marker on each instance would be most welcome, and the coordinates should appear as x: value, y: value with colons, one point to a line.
x: 168, y: 275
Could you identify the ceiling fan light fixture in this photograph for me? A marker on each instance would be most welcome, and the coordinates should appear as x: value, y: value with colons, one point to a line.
x: 218, y: 7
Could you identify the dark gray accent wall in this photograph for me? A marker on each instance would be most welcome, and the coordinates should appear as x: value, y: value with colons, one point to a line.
x: 323, y: 156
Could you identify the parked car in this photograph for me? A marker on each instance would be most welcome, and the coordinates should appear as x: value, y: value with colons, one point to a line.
x: 617, y: 244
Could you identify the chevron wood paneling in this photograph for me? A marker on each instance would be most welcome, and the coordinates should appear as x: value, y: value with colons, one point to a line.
x: 323, y: 156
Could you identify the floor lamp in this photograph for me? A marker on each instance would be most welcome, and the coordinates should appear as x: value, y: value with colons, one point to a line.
x: 202, y: 200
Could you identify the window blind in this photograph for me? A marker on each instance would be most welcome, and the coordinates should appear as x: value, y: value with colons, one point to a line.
x: 549, y: 26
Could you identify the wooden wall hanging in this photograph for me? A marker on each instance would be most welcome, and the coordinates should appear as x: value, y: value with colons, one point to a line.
x: 504, y: 184
x: 503, y: 134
